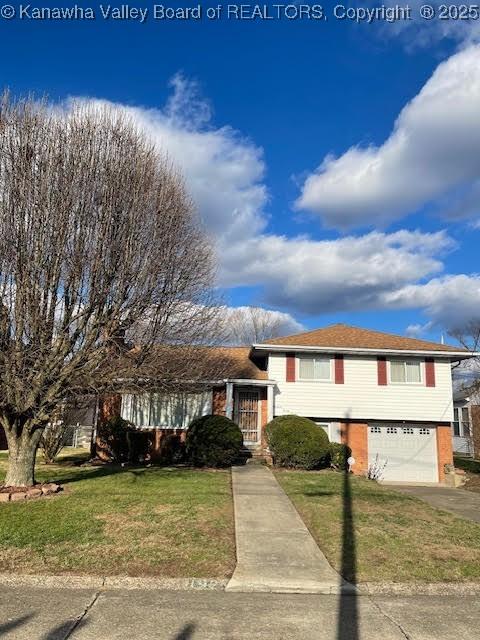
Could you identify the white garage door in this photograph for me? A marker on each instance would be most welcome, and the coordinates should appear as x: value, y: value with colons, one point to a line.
x: 410, y: 451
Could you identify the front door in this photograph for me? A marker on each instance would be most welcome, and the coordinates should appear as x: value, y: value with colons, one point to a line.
x: 247, y: 416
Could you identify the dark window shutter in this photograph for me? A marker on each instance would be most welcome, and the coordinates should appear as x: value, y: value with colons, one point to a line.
x: 339, y: 370
x: 429, y: 372
x: 290, y: 364
x: 382, y: 370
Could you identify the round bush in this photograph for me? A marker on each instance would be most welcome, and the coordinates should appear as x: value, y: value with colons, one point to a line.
x: 297, y: 442
x: 213, y: 441
x: 339, y: 454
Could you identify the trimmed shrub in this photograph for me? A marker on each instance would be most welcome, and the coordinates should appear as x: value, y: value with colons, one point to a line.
x: 339, y: 454
x: 297, y: 443
x: 213, y: 441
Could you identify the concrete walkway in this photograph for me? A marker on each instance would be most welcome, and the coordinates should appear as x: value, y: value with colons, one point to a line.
x: 275, y: 551
x: 465, y: 504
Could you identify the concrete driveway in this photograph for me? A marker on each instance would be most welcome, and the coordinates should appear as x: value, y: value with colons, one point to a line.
x: 465, y: 504
x: 81, y: 614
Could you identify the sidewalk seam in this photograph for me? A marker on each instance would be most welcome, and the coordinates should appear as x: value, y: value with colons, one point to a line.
x: 78, y: 619
x: 406, y: 635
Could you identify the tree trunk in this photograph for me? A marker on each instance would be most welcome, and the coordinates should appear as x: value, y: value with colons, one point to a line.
x: 22, y: 451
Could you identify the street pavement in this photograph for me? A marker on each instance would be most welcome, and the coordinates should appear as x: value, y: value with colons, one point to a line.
x: 28, y: 613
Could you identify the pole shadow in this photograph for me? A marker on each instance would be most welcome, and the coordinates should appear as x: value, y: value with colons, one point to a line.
x: 14, y: 624
x: 348, y: 615
x: 186, y: 633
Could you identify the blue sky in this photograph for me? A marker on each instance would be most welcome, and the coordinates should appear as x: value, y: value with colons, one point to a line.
x: 383, y: 234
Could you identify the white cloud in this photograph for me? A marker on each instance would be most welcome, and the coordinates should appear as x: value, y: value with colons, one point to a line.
x: 419, y: 33
x: 351, y: 273
x: 224, y: 173
x: 451, y: 301
x: 418, y: 330
x: 432, y: 152
x: 222, y: 169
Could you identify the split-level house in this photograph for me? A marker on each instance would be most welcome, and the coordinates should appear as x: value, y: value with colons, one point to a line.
x: 388, y: 397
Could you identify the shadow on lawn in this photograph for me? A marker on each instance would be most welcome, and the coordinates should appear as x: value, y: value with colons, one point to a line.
x: 94, y: 472
x: 110, y: 469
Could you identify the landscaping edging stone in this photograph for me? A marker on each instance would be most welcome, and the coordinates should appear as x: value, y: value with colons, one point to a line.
x: 30, y: 493
x: 218, y: 584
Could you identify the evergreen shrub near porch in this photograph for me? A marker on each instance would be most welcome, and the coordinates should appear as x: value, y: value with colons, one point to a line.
x: 339, y: 454
x: 297, y: 443
x: 213, y: 441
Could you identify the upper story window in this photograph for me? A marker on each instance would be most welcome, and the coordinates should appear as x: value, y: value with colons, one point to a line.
x: 405, y: 372
x: 314, y: 368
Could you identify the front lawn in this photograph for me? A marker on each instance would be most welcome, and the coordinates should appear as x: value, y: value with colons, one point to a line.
x: 390, y: 537
x: 114, y: 521
x: 472, y: 470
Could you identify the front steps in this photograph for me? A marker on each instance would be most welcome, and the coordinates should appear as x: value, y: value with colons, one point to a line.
x: 255, y: 455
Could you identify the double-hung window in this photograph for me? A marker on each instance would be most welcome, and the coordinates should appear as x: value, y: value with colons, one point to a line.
x: 405, y: 372
x: 314, y: 368
x: 461, y: 422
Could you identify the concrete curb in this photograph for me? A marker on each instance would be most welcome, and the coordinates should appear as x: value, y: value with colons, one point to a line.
x: 425, y: 589
x: 218, y: 584
x: 113, y: 582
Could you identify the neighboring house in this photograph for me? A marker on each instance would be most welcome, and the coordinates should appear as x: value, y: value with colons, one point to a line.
x: 466, y: 421
x: 384, y: 395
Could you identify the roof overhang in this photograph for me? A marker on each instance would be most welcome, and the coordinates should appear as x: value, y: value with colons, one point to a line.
x: 449, y: 355
x: 252, y: 381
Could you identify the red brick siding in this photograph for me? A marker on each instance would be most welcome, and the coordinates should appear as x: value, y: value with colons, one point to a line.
x: 444, y: 449
x: 263, y: 408
x: 339, y: 370
x: 109, y: 406
x: 429, y: 372
x: 158, y: 436
x: 382, y: 371
x: 355, y: 435
x: 290, y: 367
x: 219, y: 401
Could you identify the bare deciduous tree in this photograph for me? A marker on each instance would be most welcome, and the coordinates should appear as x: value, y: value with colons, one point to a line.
x: 98, y: 242
x: 248, y: 325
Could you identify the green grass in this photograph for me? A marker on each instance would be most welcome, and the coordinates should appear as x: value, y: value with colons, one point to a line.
x: 114, y: 521
x: 395, y: 537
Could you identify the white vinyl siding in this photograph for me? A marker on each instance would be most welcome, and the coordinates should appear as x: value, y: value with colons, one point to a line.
x: 175, y: 411
x: 405, y: 372
x: 361, y: 397
x: 312, y: 368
